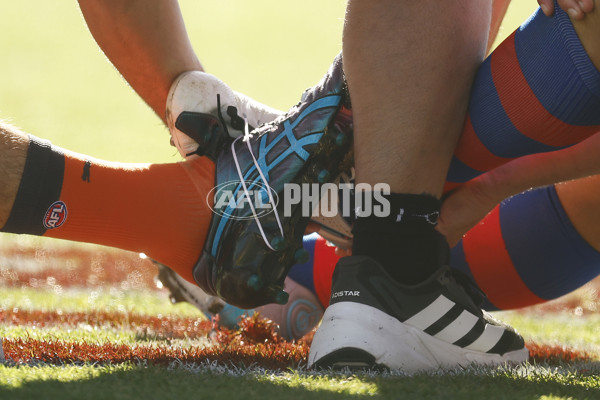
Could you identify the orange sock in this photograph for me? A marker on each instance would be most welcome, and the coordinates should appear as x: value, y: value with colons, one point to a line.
x: 157, y: 209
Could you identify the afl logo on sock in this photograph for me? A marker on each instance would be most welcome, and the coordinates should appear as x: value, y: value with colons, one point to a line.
x: 56, y: 215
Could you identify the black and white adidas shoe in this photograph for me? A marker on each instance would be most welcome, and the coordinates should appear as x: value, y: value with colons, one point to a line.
x: 374, y: 322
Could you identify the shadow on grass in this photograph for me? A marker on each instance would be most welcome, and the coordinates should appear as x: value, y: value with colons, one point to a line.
x: 138, y: 382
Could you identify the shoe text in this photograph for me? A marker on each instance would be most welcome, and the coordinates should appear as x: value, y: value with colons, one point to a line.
x: 345, y: 293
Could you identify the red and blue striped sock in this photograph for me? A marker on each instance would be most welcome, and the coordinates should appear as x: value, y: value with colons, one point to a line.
x: 537, y: 92
x: 526, y: 251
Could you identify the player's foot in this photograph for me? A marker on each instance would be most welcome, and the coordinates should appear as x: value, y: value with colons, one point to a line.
x: 374, y: 322
x: 249, y: 250
x: 294, y: 319
x: 198, y: 100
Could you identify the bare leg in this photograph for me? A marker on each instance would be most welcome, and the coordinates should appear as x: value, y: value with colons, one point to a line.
x: 409, y: 67
x: 580, y: 199
x: 147, y: 42
x: 499, y: 8
x: 13, y: 152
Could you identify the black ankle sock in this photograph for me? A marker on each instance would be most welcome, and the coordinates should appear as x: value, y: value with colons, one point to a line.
x: 405, y: 243
x: 40, y: 186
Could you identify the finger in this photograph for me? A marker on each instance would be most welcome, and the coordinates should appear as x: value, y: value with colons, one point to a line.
x: 575, y: 13
x: 547, y: 7
x: 573, y: 8
x: 586, y: 5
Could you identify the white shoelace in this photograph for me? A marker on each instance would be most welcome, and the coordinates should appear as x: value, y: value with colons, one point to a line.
x: 246, y: 138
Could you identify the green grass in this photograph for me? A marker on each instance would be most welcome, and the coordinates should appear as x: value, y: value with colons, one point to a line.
x: 71, y: 334
x: 577, y: 380
x: 563, y: 328
x: 206, y: 382
x: 566, y: 328
x: 103, y: 299
x: 129, y: 381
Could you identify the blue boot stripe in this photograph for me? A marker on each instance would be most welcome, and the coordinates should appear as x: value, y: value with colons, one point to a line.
x: 296, y: 147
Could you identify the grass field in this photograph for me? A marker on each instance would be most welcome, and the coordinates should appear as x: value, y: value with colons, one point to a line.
x: 87, y: 322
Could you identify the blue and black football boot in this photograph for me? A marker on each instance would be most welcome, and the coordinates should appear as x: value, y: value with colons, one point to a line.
x: 254, y: 236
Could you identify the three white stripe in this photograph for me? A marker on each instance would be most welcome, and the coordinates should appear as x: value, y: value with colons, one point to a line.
x: 430, y: 314
x: 457, y: 328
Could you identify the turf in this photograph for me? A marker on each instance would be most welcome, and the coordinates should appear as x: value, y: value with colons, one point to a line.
x: 109, y: 299
x: 100, y: 348
x: 213, y: 382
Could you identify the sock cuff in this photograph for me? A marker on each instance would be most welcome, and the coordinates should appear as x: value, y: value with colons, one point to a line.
x: 407, y: 211
x: 39, y: 190
x: 558, y: 70
x: 583, y: 64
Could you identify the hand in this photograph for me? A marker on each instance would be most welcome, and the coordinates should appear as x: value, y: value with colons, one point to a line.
x: 465, y: 207
x: 575, y: 8
x: 472, y: 201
